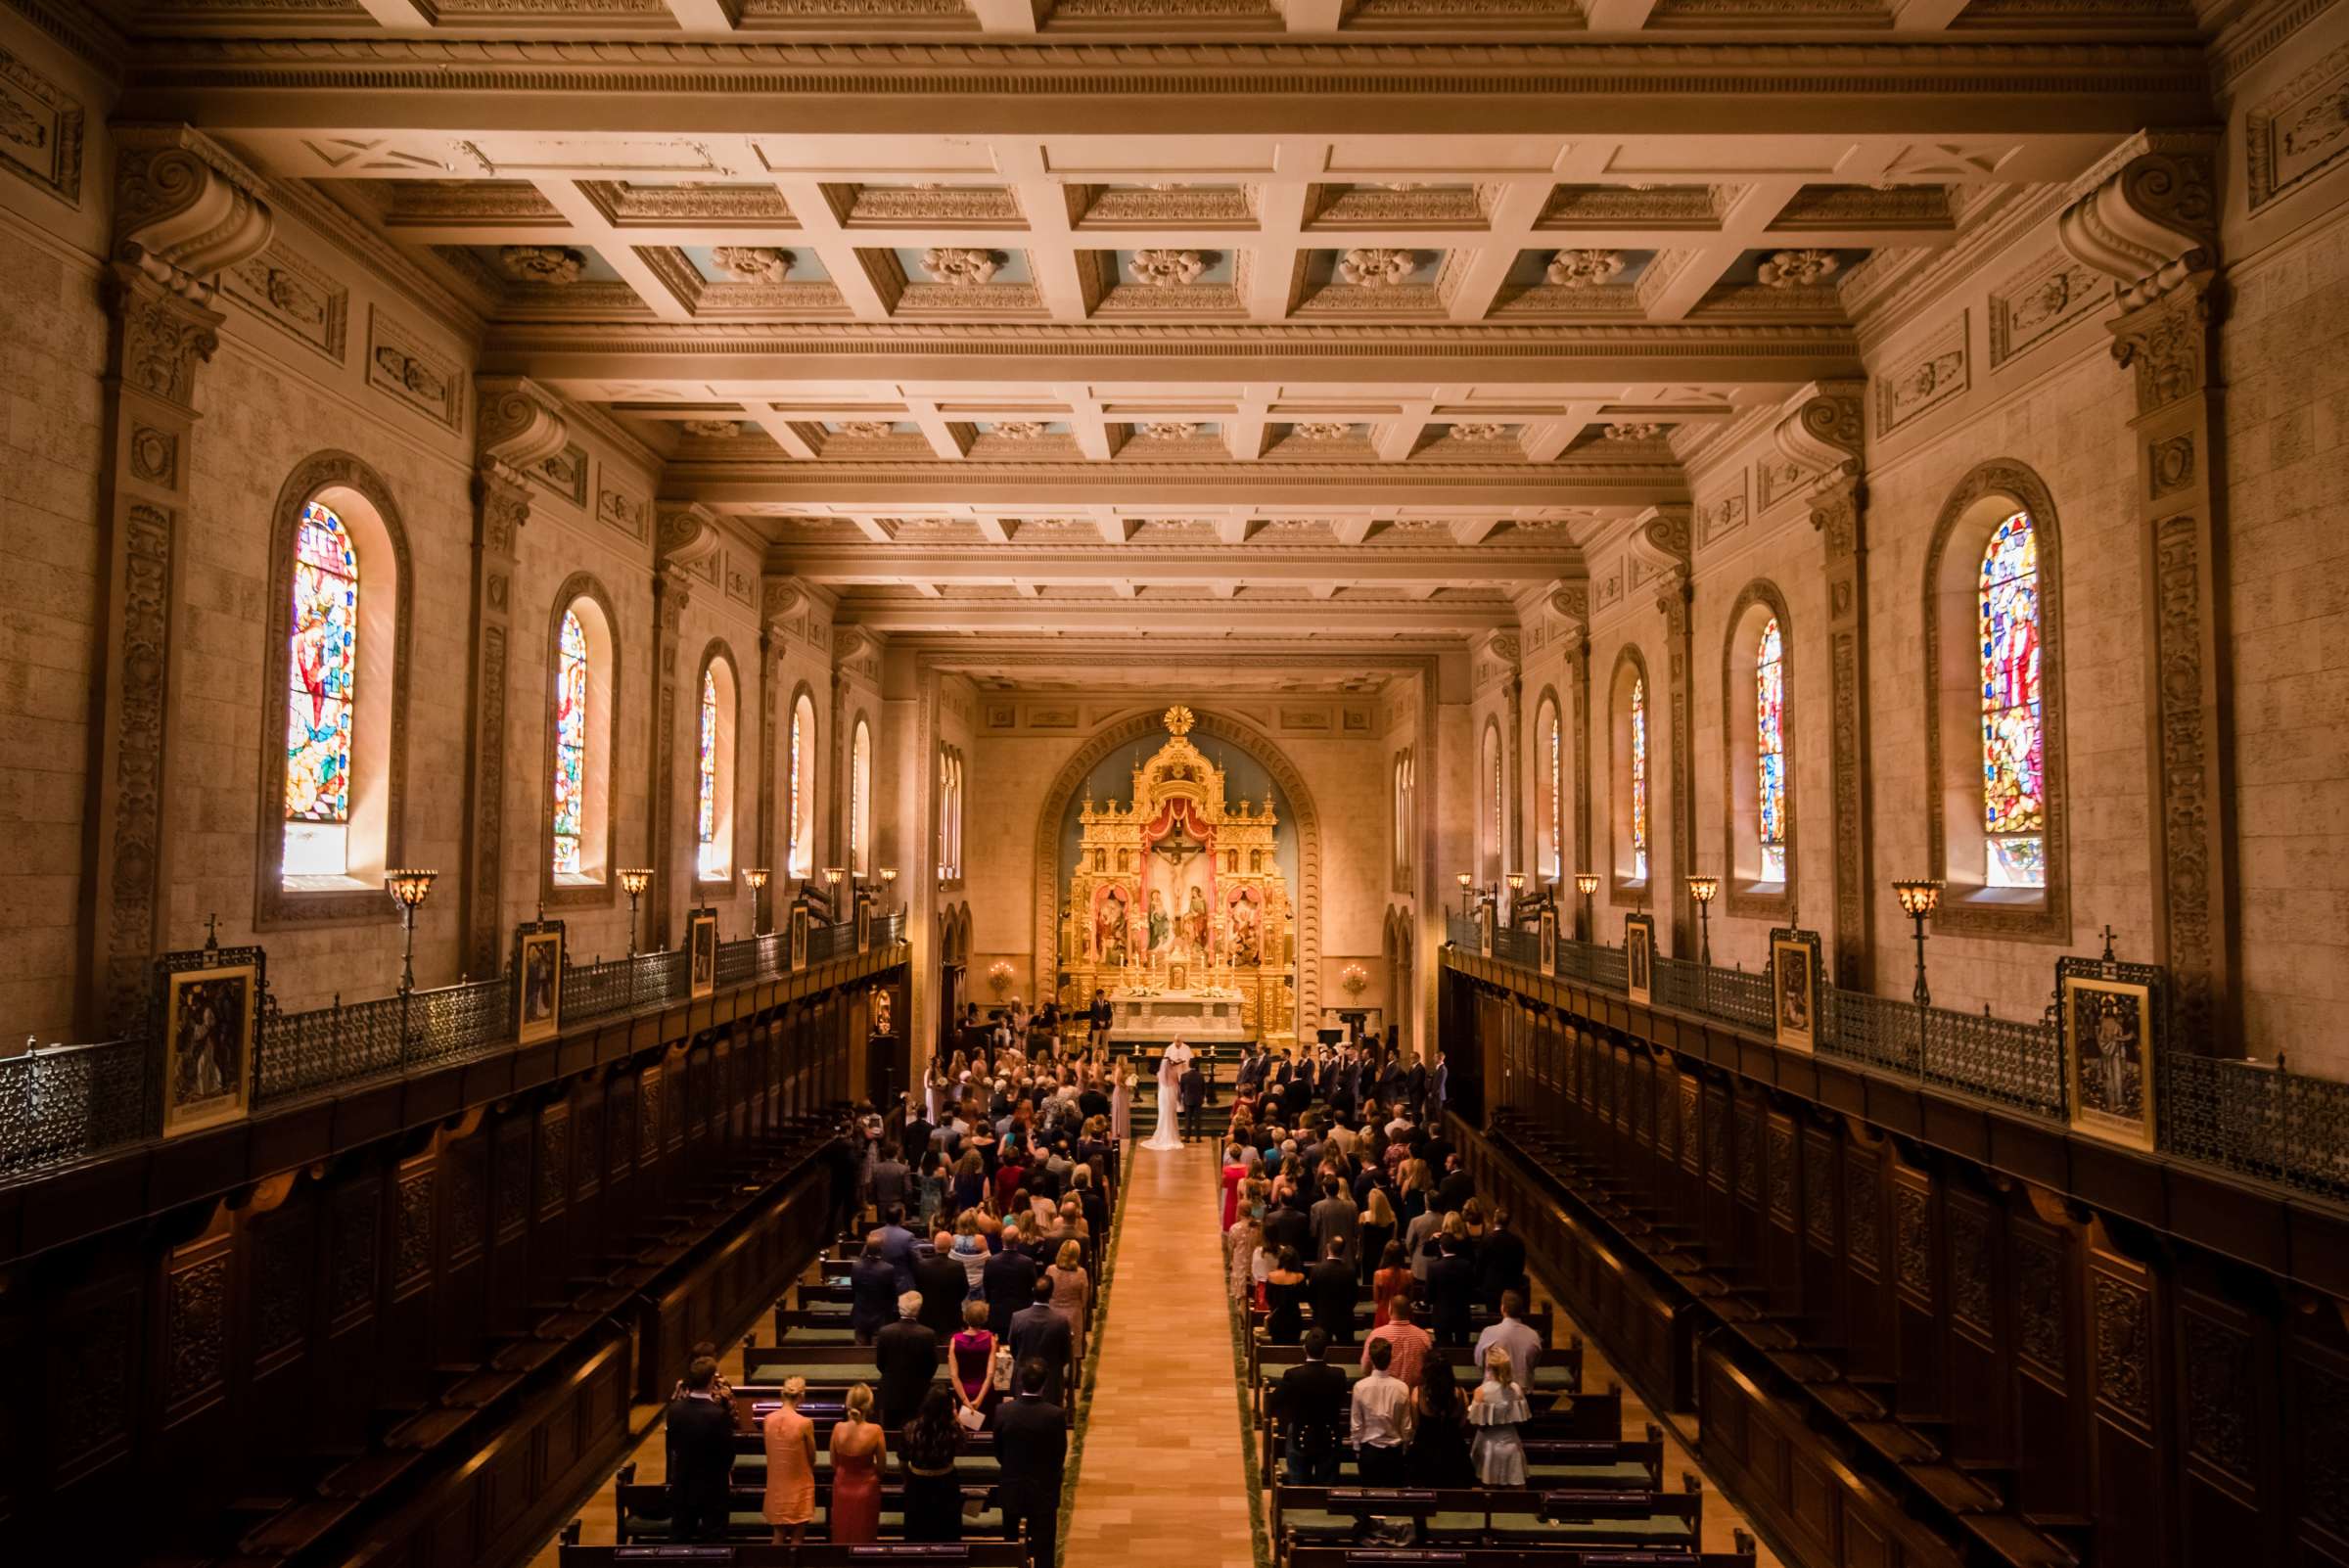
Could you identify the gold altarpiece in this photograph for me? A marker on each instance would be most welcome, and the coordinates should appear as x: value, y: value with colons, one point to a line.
x: 1177, y: 906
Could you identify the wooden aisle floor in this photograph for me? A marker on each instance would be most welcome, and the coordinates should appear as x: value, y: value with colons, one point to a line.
x: 1163, y: 1481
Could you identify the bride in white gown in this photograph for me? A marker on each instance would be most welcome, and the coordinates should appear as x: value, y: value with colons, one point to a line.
x: 1167, y: 1135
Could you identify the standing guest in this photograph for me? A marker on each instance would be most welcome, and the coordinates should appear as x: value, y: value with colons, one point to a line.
x: 1514, y: 1335
x: 1408, y: 1344
x: 1090, y: 1202
x: 1194, y: 1098
x: 1378, y: 1230
x: 1439, y: 1452
x: 1393, y: 1278
x: 1008, y: 1282
x: 928, y: 1446
x: 1456, y: 1189
x: 914, y: 1139
x: 1031, y: 1446
x: 1235, y: 1171
x: 790, y: 1442
x: 845, y: 1167
x: 897, y: 1245
x: 906, y: 1355
x: 1040, y: 1333
x: 721, y: 1389
x: 971, y: 1367
x: 860, y: 1449
x: 1311, y: 1401
x: 872, y: 1291
x: 1072, y: 1291
x: 1421, y: 1241
x: 1500, y: 1267
x: 1495, y: 1411
x: 1381, y: 1414
x: 1121, y: 1102
x: 943, y: 1285
x: 1284, y: 1295
x: 1332, y: 1289
x: 888, y: 1186
x: 700, y: 1456
x: 1335, y: 1218
x: 1452, y: 1290
x: 970, y: 1251
x: 933, y: 1189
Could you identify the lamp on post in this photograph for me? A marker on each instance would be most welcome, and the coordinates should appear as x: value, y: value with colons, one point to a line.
x: 633, y: 884
x: 1464, y: 880
x: 1919, y: 899
x: 1586, y: 883
x: 1516, y: 881
x: 1702, y: 888
x: 889, y: 889
x: 832, y: 876
x: 408, y: 890
x: 756, y: 877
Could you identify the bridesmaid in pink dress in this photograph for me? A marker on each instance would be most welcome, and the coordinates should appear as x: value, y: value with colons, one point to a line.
x: 858, y: 1448
x: 790, y: 1466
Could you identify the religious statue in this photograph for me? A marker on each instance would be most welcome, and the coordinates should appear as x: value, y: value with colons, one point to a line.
x: 1194, y: 921
x: 1243, y: 932
x: 1109, y: 928
x: 1161, y: 927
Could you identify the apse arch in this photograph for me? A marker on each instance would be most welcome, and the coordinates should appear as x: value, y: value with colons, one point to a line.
x: 1126, y: 731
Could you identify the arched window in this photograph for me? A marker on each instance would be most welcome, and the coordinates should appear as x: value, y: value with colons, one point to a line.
x: 583, y: 704
x: 713, y: 769
x: 1550, y: 750
x: 1628, y: 758
x: 1994, y: 720
x: 1770, y: 751
x: 803, y: 787
x: 2013, y: 753
x: 333, y: 692
x: 570, y: 743
x: 1491, y: 814
x: 1403, y: 822
x: 860, y: 800
x: 1638, y: 798
x: 324, y: 644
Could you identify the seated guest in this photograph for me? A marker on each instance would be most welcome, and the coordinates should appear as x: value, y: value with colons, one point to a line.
x: 860, y: 1451
x: 1409, y: 1345
x: 1008, y: 1283
x: 1038, y: 1332
x: 1031, y: 1448
x: 1451, y: 1291
x: 1439, y: 1449
x: 1497, y: 1411
x: 700, y: 1456
x: 789, y: 1443
x: 942, y: 1284
x: 1311, y: 1401
x: 1381, y: 1409
x: 872, y: 1291
x: 1390, y: 1281
x: 906, y: 1355
x: 927, y: 1447
x: 1284, y: 1295
x: 1514, y: 1335
x: 1332, y: 1289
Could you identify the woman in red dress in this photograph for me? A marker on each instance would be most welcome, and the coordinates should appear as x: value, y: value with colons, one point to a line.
x: 858, y: 1449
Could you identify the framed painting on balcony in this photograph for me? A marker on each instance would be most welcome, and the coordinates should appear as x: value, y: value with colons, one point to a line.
x: 701, y: 943
x: 2111, y: 1030
x: 864, y: 925
x: 209, y: 1003
x: 1639, y: 956
x: 799, y: 936
x: 1794, y: 987
x: 538, y: 981
x: 1550, y: 942
x: 1484, y: 930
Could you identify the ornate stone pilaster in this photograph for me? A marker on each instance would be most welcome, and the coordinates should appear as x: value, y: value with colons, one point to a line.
x: 780, y: 599
x: 518, y: 423
x: 1570, y: 600
x: 184, y: 209
x: 687, y: 533
x: 1661, y: 540
x: 2153, y: 226
x: 1822, y: 432
x: 1509, y: 648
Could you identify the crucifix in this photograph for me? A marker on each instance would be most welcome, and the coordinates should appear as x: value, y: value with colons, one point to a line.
x: 2108, y: 936
x: 212, y: 931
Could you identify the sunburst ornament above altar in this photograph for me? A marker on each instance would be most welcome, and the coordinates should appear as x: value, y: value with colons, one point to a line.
x: 1180, y: 721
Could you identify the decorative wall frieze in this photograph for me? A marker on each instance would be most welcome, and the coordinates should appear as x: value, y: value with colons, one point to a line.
x: 184, y: 209
x: 2298, y: 132
x: 2040, y: 301
x: 401, y: 366
x: 40, y: 130
x: 289, y: 292
x: 1927, y: 379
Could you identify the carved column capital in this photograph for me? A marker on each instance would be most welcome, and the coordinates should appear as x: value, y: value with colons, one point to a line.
x: 2149, y: 224
x: 1660, y: 537
x: 2166, y: 341
x: 1570, y: 600
x: 687, y: 531
x: 184, y: 209
x: 1835, y: 511
x: 517, y: 422
x: 501, y: 505
x: 159, y: 337
x: 779, y: 599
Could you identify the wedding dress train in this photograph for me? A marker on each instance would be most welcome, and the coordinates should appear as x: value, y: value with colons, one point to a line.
x: 1167, y: 1135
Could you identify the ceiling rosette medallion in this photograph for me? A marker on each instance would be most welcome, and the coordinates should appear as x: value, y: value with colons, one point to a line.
x: 753, y: 264
x: 1167, y: 430
x: 867, y: 429
x: 1167, y: 269
x: 1375, y: 267
x: 959, y: 267
x: 1019, y: 430
x: 1319, y: 432
x: 554, y: 265
x: 1796, y: 269
x: 1479, y: 432
x: 1583, y: 269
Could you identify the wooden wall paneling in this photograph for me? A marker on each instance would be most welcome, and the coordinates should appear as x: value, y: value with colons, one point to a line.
x: 1975, y: 1346
x: 1917, y: 1359
x: 2051, y: 1385
x: 279, y: 1250
x: 1822, y: 1264
x: 187, y: 1415
x: 1746, y: 1259
x: 461, y: 1301
x: 2225, y: 1401
x: 1870, y: 1356
x: 2131, y: 1503
x: 589, y: 1158
x: 511, y: 1193
x: 354, y: 1250
x: 1782, y: 1214
x: 406, y: 1342
x: 1721, y: 1202
x: 2316, y: 1392
x: 550, y: 1200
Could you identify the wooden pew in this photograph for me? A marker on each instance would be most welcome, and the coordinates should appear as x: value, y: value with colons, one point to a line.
x: 1334, y: 1554
x: 818, y: 1554
x: 1559, y: 1373
x: 1509, y: 1516
x: 1585, y: 1463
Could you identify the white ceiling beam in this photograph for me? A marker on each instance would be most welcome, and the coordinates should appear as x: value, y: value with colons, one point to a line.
x: 927, y: 590
x: 1743, y: 227
x: 1272, y: 251
x: 1352, y: 531
x: 1926, y: 15
x: 705, y: 16
x: 1051, y: 250
x: 820, y: 231
x: 1247, y: 565
x: 874, y: 529
x: 1399, y: 436
x: 779, y: 425
x: 995, y: 530
x: 1480, y: 270
x: 1113, y: 617
x: 1008, y: 16
x: 587, y: 222
x: 1473, y: 529
x: 1312, y: 16
x: 407, y: 14
x: 937, y: 429
x: 1244, y: 430
x: 1116, y: 529
x: 1616, y: 16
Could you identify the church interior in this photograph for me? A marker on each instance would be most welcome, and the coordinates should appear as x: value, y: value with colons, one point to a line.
x: 837, y: 632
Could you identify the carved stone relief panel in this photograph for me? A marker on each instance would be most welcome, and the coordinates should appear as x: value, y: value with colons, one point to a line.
x: 2040, y: 300
x: 290, y: 294
x: 565, y: 473
x: 2299, y: 131
x: 40, y: 130
x: 1926, y: 380
x: 420, y: 378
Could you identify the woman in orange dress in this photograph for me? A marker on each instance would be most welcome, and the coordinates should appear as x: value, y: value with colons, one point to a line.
x: 790, y: 1466
x: 1071, y: 1290
x: 858, y: 1449
x: 1394, y: 1277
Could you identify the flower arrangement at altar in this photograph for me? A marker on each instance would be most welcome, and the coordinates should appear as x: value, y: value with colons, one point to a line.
x: 1354, y: 978
x: 998, y: 977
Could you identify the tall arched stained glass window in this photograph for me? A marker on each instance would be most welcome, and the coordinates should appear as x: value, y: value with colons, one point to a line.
x: 571, y: 742
x: 1639, y: 780
x: 2013, y: 785
x: 803, y: 804
x: 1770, y: 747
x: 706, y: 768
x: 323, y: 651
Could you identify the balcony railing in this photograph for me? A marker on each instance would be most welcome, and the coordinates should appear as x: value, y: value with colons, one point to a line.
x: 2247, y: 1118
x: 74, y: 1102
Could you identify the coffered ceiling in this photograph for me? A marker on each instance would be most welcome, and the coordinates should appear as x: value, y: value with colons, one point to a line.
x: 1160, y: 322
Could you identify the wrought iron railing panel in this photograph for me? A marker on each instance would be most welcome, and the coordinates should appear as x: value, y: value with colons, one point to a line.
x: 454, y: 1022
x: 298, y: 1053
x: 2256, y: 1121
x: 1517, y: 946
x: 1997, y: 1058
x: 75, y: 1101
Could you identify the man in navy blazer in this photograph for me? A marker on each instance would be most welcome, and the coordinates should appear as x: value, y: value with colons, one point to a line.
x: 1032, y: 1450
x: 1040, y: 1331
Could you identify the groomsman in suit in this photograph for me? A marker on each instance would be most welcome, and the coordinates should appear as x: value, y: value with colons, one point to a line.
x: 1254, y: 1066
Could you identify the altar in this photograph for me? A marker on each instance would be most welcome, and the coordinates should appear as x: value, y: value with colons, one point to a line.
x: 1178, y: 908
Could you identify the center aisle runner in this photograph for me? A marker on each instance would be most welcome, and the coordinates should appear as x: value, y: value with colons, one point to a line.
x: 1162, y: 1480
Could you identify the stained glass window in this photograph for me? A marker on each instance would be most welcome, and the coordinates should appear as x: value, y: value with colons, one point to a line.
x: 706, y: 818
x: 1770, y: 736
x: 1558, y: 800
x: 1493, y: 742
x: 1639, y: 780
x: 571, y: 742
x: 323, y: 653
x: 2013, y: 787
x: 859, y: 796
x: 801, y: 856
